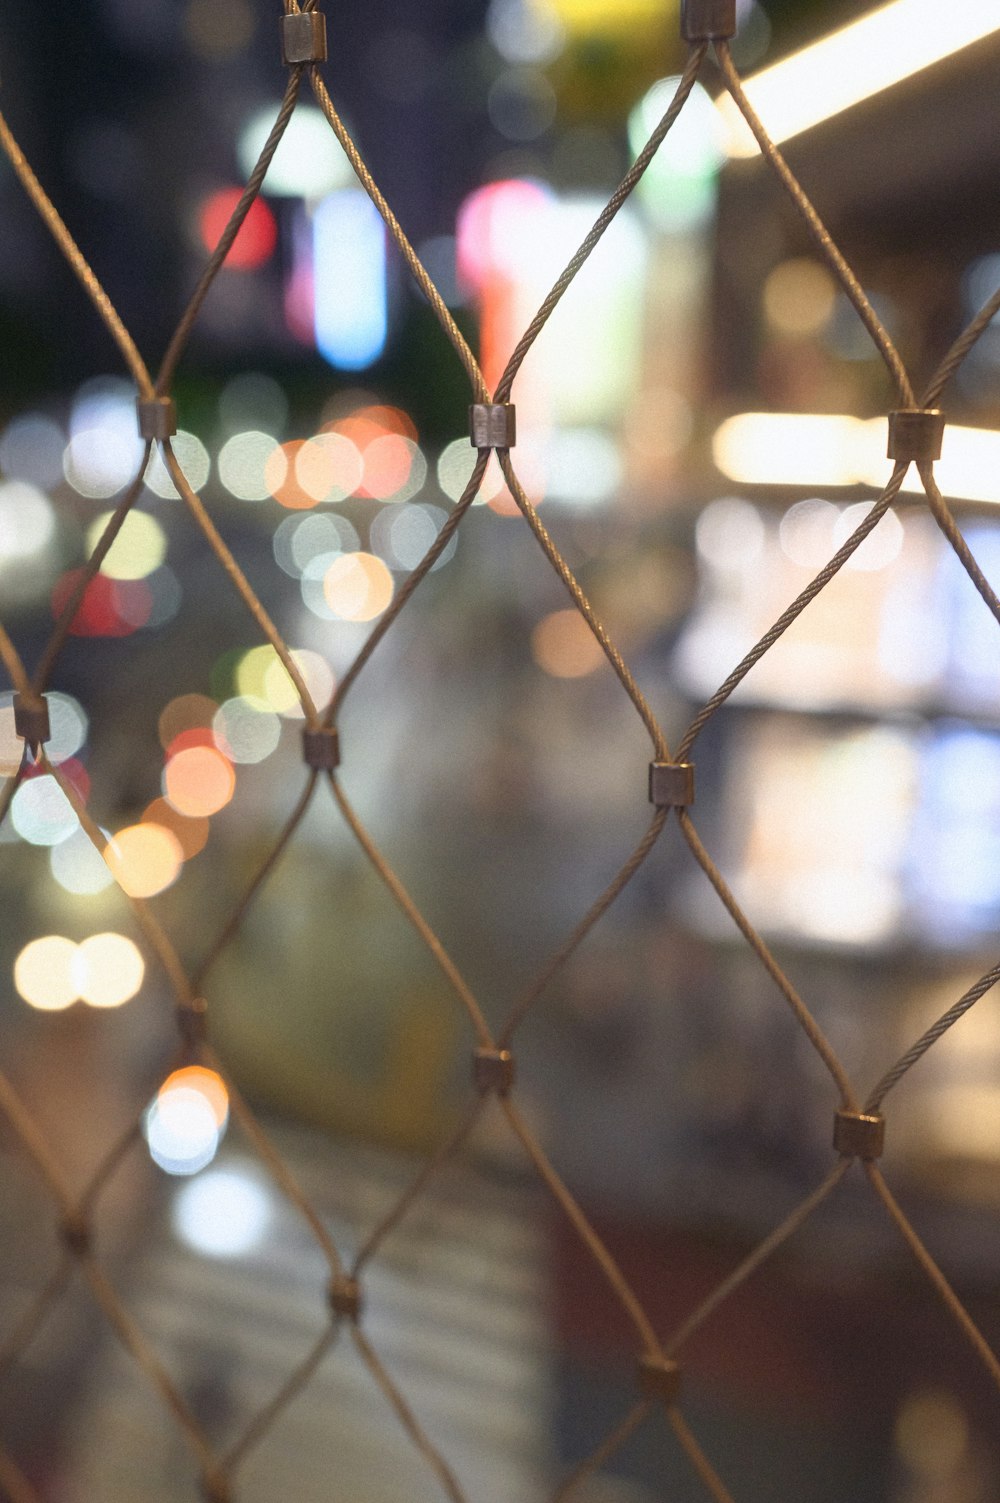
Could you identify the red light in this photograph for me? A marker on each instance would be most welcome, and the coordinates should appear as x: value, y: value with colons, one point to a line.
x: 257, y: 236
x: 109, y: 608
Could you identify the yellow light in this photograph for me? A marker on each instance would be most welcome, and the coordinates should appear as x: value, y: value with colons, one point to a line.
x: 139, y: 548
x: 828, y: 451
x: 45, y: 973
x: 109, y: 970
x: 862, y: 59
x: 607, y: 15
x: 145, y: 859
x: 789, y: 448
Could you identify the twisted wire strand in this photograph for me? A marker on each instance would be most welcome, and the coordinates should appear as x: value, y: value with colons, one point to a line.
x: 821, y: 236
x: 810, y: 1027
x: 917, y: 1051
x: 960, y: 349
x: 798, y: 605
x: 624, y: 190
x: 437, y: 950
x: 583, y: 605
x: 408, y: 1418
x: 947, y: 1295
x: 260, y: 877
x: 756, y: 1258
x: 616, y: 1280
x: 279, y: 1170
x: 413, y: 262
x: 248, y: 197
x: 155, y: 935
x: 31, y: 1322
x: 941, y: 512
x: 85, y: 577
x: 240, y: 582
x: 12, y: 784
x: 11, y: 659
x: 264, y: 1421
x: 555, y: 964
x: 448, y: 1151
x: 608, y: 1448
x: 77, y: 261
x: 410, y: 585
x: 700, y: 1464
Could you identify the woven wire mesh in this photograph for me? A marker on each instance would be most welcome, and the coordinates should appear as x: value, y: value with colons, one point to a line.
x: 659, y: 1392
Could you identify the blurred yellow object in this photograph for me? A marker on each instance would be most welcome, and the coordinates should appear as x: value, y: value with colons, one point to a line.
x: 587, y: 16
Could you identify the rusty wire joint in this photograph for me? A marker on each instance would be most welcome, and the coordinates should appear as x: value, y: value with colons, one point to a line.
x: 493, y: 1070
x: 192, y: 1021
x: 859, y: 1135
x: 31, y: 719
x: 303, y: 38
x: 708, y: 20
x: 321, y: 748
x: 74, y: 1233
x: 157, y: 417
x: 916, y: 435
x: 659, y: 1378
x: 671, y: 784
x: 493, y: 425
x: 344, y: 1297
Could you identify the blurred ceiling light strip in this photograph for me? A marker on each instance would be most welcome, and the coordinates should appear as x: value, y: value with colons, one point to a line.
x: 831, y: 451
x: 862, y: 59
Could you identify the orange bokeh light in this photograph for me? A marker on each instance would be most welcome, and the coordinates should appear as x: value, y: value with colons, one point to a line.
x: 256, y: 238
x: 191, y: 832
x: 199, y: 781
x: 206, y: 1082
x: 358, y: 586
x: 564, y: 645
x: 144, y: 859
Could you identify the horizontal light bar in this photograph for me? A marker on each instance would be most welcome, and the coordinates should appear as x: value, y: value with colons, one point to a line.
x: 829, y: 451
x: 862, y: 59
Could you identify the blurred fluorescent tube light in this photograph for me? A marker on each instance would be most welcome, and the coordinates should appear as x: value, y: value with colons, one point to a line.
x: 862, y: 59
x: 788, y: 448
x: 829, y: 451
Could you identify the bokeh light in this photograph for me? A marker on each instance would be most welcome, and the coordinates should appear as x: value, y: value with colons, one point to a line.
x: 564, y: 645
x: 358, y: 587
x: 190, y: 832
x: 185, y: 713
x: 799, y: 297
x: 44, y: 973
x: 41, y: 813
x: 139, y: 548
x: 222, y: 1214
x: 257, y: 236
x: 402, y: 536
x: 208, y: 1083
x: 329, y: 467
x: 246, y: 729
x: 454, y: 470
x: 243, y: 464
x: 191, y: 455
x: 78, y: 867
x: 309, y: 161
x: 27, y: 520
x: 199, y: 781
x: 394, y: 468
x: 299, y: 540
x: 109, y: 970
x: 31, y: 449
x: 181, y: 1131
x: 144, y: 859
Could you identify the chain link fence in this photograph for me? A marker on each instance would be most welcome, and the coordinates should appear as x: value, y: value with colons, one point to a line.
x: 915, y: 432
